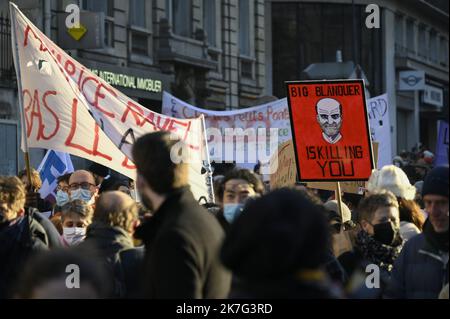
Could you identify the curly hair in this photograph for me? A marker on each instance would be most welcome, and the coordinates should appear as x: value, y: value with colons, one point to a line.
x: 12, y: 192
x: 36, y: 181
x: 123, y: 218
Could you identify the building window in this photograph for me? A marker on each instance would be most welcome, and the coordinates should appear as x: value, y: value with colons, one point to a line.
x: 107, y: 7
x: 443, y: 51
x: 422, y: 50
x: 139, y: 36
x: 209, y: 21
x: 137, y: 13
x: 434, y: 51
x: 179, y: 12
x: 410, y: 36
x: 244, y: 27
x: 399, y: 31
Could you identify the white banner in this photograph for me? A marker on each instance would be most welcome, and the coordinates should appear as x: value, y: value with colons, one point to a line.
x: 244, y: 149
x: 69, y: 109
x: 380, y: 127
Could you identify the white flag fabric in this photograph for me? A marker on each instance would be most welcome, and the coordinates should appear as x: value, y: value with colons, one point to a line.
x: 53, y: 165
x: 69, y: 109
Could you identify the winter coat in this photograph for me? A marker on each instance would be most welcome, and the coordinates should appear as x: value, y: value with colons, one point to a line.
x: 420, y: 272
x: 19, y: 239
x: 122, y: 259
x: 182, y: 242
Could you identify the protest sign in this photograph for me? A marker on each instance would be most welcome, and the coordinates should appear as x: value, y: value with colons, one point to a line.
x: 69, y: 109
x: 330, y: 130
x: 442, y: 144
x: 283, y: 165
x: 247, y: 143
x: 353, y: 187
x: 380, y: 128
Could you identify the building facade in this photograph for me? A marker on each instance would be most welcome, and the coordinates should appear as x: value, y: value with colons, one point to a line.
x: 413, y: 35
x: 210, y: 53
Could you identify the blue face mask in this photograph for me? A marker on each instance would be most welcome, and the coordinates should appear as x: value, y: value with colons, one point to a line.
x: 83, y: 194
x: 232, y: 211
x: 62, y: 198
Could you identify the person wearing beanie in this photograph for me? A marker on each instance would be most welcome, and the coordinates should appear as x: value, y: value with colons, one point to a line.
x: 394, y: 179
x: 276, y: 248
x: 421, y: 270
x: 341, y: 227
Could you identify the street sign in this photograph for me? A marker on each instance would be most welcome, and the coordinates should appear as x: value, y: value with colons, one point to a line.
x: 330, y: 130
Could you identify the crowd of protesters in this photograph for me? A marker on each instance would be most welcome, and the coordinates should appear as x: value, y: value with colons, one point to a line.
x: 253, y: 242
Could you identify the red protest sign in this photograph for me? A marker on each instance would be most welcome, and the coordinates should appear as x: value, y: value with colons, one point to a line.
x: 330, y: 130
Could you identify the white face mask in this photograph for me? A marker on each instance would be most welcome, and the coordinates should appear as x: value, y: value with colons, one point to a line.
x: 62, y: 198
x: 82, y: 194
x: 74, y: 235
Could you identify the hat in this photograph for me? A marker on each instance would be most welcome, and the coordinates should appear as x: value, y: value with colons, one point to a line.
x: 393, y: 179
x: 332, y: 205
x: 436, y: 182
x: 99, y: 169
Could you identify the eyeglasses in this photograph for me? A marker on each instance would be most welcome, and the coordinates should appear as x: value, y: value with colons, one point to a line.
x: 336, y: 227
x: 62, y: 188
x: 84, y: 185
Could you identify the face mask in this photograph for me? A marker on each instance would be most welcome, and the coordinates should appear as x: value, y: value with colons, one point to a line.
x: 74, y: 235
x: 232, y: 211
x: 133, y: 194
x: 62, y: 198
x: 385, y: 233
x: 83, y: 194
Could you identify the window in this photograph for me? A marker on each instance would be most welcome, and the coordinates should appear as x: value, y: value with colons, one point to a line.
x: 180, y: 13
x: 410, y: 36
x: 137, y: 20
x: 107, y: 7
x: 399, y: 31
x: 422, y: 49
x: 434, y: 46
x: 137, y: 13
x: 244, y: 27
x: 209, y: 21
x: 443, y: 51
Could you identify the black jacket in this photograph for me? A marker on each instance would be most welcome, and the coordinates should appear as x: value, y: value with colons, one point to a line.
x: 420, y: 272
x: 19, y: 240
x: 182, y: 242
x: 121, y: 258
x: 54, y: 238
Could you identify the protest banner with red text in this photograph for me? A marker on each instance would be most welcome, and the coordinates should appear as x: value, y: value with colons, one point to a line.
x: 69, y: 109
x: 330, y: 130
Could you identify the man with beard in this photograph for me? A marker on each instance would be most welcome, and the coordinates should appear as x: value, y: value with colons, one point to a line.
x: 329, y: 117
x: 421, y: 270
x: 182, y: 240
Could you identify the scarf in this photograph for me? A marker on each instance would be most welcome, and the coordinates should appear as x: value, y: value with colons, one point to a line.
x: 376, y: 252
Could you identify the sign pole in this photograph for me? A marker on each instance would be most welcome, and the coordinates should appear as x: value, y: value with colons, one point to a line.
x: 338, y: 197
x: 207, y: 163
x: 12, y: 8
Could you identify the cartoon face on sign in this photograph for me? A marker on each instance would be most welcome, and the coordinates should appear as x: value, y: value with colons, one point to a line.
x: 329, y: 117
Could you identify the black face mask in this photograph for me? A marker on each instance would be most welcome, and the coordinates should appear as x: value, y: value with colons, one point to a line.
x: 385, y: 233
